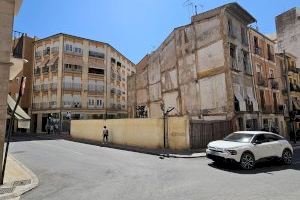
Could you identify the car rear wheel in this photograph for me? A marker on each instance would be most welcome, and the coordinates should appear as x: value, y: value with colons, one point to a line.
x: 287, y: 157
x: 247, y: 161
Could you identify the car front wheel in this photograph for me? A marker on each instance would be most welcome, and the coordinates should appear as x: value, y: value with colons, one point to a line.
x: 287, y: 157
x: 247, y: 161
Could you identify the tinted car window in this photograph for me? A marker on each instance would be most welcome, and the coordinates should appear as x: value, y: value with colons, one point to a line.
x: 239, y: 137
x: 261, y: 138
x: 272, y: 137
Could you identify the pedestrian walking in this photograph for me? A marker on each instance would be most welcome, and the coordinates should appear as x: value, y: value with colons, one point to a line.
x: 105, y: 135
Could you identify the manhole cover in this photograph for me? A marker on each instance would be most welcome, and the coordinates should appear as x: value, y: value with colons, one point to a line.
x: 23, y: 182
x: 7, y: 190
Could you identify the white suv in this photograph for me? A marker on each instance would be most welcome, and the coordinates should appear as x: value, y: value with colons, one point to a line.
x: 247, y: 147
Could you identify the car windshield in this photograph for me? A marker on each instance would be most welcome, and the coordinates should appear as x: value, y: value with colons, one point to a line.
x: 239, y: 137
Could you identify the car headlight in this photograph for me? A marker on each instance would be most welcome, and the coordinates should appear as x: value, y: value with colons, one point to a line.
x: 232, y: 152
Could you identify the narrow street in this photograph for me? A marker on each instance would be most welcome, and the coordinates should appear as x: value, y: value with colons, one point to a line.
x: 70, y: 170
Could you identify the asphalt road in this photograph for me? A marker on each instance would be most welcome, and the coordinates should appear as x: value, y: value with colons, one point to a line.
x: 70, y: 170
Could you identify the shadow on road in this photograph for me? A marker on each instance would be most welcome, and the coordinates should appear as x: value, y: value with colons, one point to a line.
x: 34, y: 137
x: 261, y: 167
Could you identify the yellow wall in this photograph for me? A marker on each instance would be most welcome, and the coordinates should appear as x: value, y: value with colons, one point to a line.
x: 144, y: 133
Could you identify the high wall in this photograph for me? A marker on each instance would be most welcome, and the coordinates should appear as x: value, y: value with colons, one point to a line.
x: 144, y: 133
x: 288, y: 32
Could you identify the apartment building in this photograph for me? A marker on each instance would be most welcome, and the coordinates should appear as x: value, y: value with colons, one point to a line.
x: 202, y: 69
x: 288, y: 32
x: 22, y: 48
x: 293, y: 82
x: 268, y: 82
x: 78, y: 78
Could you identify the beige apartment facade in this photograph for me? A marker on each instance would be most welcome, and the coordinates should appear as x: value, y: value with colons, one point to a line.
x: 268, y: 82
x: 202, y: 69
x: 78, y: 78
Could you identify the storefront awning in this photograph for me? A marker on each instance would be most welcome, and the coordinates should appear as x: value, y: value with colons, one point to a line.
x: 252, y: 99
x: 22, y: 117
x: 239, y: 97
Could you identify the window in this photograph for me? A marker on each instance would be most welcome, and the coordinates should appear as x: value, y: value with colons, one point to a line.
x: 96, y: 54
x: 113, y: 60
x: 69, y: 47
x: 261, y: 138
x: 256, y: 47
x: 239, y: 137
x: 78, y: 50
x: 244, y: 36
x: 272, y: 137
x: 271, y: 73
x: 119, y: 64
x: 96, y: 71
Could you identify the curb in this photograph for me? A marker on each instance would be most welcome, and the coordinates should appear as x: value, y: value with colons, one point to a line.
x: 22, y: 189
x: 141, y: 150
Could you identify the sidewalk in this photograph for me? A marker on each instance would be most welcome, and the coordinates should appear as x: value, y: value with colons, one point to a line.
x: 17, y: 180
x: 168, y: 153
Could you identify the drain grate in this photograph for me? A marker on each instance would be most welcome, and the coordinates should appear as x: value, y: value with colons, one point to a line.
x: 7, y: 190
x: 23, y: 182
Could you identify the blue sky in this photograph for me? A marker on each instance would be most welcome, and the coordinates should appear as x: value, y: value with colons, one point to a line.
x: 134, y: 27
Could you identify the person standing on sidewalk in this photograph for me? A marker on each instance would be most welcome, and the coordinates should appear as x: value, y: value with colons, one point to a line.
x: 105, y: 135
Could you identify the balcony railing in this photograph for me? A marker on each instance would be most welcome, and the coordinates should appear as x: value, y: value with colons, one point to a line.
x: 91, y: 87
x: 36, y: 105
x: 45, y: 70
x: 53, y: 86
x: 45, y: 105
x: 294, y: 87
x: 274, y: 85
x: 37, y: 71
x: 45, y: 87
x: 279, y: 109
x: 71, y: 104
x: 100, y: 88
x: 52, y: 104
x: 234, y: 64
x: 257, y: 50
x: 54, y: 68
x: 268, y: 109
x: 67, y: 85
x: 36, y: 88
x: 261, y: 81
x: 77, y: 86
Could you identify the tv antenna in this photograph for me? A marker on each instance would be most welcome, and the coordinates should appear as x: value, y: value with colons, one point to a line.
x: 192, y: 4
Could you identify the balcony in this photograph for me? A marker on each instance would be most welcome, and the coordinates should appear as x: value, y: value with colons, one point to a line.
x: 45, y: 105
x: 54, y: 68
x: 53, y: 86
x: 100, y: 88
x: 45, y: 87
x: 36, y: 105
x: 113, y: 106
x: 91, y: 87
x: 45, y: 70
x: 257, y: 50
x: 67, y: 104
x: 67, y: 85
x: 267, y: 109
x: 261, y: 81
x: 52, y: 104
x: 37, y: 71
x: 234, y: 65
x: 76, y: 105
x: 279, y: 109
x: 36, y: 88
x: 77, y: 86
x: 274, y: 85
x: 95, y: 54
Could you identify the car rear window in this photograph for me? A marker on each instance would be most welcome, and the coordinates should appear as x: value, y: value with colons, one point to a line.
x: 239, y: 137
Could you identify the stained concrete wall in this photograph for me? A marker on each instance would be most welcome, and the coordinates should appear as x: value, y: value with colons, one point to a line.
x: 288, y: 32
x: 144, y: 133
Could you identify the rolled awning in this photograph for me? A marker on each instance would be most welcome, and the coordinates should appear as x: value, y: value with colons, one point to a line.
x: 296, y: 104
x: 239, y: 97
x: 22, y: 117
x: 52, y: 61
x: 252, y: 99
